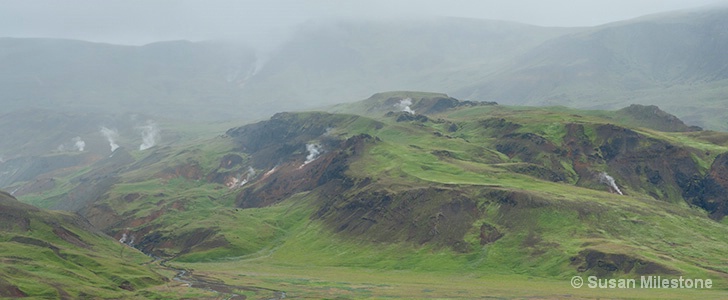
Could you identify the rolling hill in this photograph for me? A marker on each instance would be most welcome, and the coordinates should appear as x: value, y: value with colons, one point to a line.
x: 457, y: 189
x: 61, y: 256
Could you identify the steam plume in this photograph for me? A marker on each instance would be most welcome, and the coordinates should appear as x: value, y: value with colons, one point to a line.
x: 313, y: 152
x: 404, y: 105
x: 125, y: 239
x: 111, y: 135
x: 248, y: 177
x: 150, y: 133
x: 609, y: 180
x: 271, y: 171
x: 79, y: 143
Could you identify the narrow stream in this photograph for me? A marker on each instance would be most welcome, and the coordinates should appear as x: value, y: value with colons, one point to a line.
x: 216, y: 285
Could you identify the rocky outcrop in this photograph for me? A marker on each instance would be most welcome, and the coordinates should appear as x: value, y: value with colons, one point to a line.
x: 434, y: 215
x: 610, y: 264
x: 711, y: 191
x: 294, y: 176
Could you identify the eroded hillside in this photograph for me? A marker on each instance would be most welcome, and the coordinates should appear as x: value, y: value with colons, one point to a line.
x: 546, y: 191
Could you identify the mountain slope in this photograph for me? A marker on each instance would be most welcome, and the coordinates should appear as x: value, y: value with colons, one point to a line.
x: 470, y: 186
x: 57, y: 255
x: 156, y: 79
x: 671, y: 60
x: 332, y: 61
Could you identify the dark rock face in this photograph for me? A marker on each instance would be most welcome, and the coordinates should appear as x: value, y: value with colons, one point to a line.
x: 489, y: 234
x: 294, y: 177
x: 609, y: 264
x: 422, y: 216
x: 710, y: 192
x: 637, y: 162
x: 435, y: 105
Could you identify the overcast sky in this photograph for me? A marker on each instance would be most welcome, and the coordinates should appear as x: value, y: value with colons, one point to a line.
x: 144, y: 21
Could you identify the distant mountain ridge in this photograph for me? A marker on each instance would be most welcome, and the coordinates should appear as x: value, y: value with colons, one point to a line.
x: 672, y: 60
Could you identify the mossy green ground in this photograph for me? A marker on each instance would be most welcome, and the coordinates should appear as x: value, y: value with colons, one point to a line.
x: 282, y: 248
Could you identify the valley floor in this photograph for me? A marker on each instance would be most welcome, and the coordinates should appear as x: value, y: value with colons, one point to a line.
x: 262, y: 279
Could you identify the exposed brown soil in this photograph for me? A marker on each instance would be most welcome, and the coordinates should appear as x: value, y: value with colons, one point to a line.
x: 489, y: 234
x: 9, y: 290
x: 191, y: 171
x: 608, y: 264
x: 294, y: 177
x: 433, y: 215
x: 70, y: 237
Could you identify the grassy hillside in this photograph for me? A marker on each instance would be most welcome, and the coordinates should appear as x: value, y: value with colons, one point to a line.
x: 57, y: 255
x: 474, y: 191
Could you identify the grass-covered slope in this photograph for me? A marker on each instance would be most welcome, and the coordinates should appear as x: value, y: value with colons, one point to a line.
x: 465, y: 189
x: 57, y: 255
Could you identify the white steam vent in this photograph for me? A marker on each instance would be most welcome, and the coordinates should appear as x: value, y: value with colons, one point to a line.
x: 150, y: 134
x: 248, y: 177
x: 111, y: 136
x: 609, y: 180
x: 79, y: 144
x: 314, y: 151
x: 404, y: 105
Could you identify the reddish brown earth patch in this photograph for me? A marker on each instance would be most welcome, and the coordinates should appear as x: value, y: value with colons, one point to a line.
x: 230, y: 161
x: 294, y: 177
x: 191, y: 171
x: 9, y: 290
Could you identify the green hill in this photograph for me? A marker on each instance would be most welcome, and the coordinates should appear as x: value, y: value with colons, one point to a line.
x: 309, y: 203
x: 61, y: 256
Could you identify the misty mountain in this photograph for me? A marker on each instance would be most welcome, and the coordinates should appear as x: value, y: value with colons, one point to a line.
x: 334, y: 61
x: 179, y: 78
x: 325, y: 62
x: 673, y: 60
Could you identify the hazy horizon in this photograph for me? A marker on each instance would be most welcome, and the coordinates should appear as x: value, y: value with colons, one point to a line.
x: 266, y: 23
